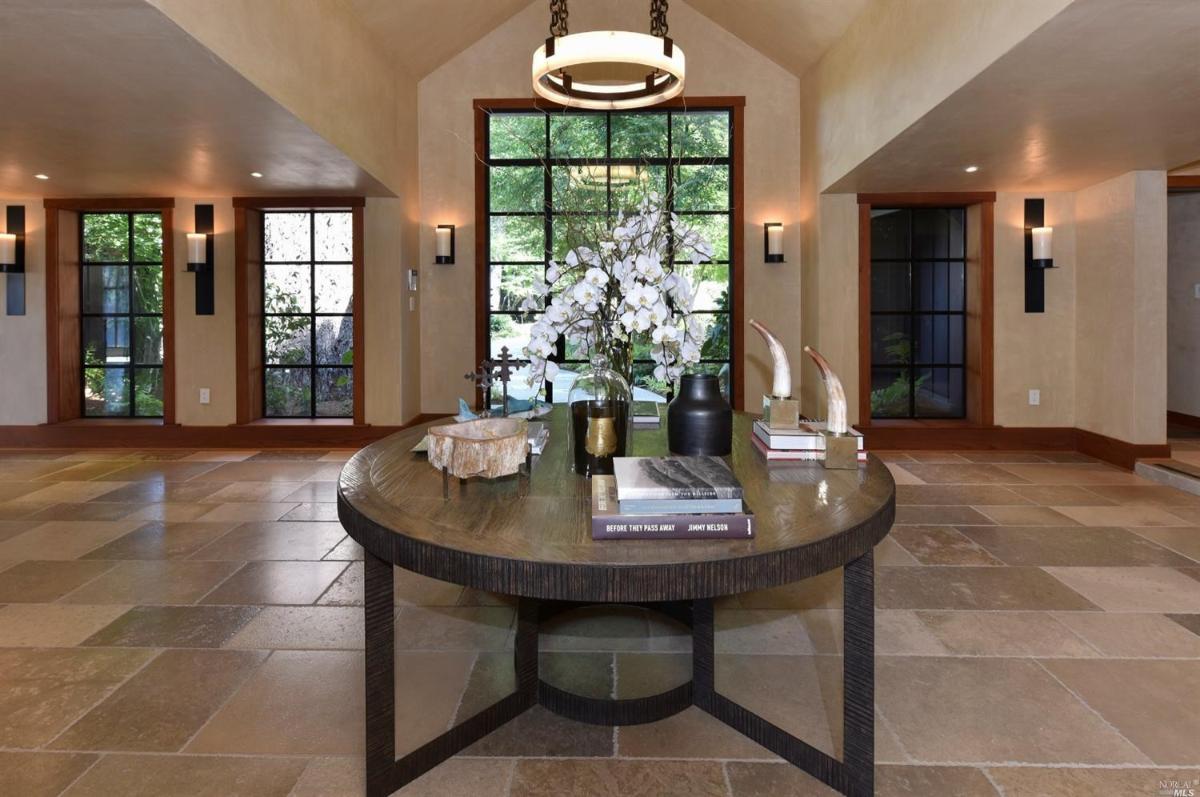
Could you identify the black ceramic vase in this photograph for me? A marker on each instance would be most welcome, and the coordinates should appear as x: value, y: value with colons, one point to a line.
x: 700, y: 420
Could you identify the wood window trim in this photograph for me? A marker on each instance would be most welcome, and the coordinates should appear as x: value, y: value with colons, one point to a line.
x: 984, y: 415
x: 298, y: 202
x: 62, y: 304
x: 247, y: 214
x: 737, y: 250
x: 1183, y: 182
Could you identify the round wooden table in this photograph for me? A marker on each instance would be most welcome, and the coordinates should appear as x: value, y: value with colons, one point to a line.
x: 531, y: 538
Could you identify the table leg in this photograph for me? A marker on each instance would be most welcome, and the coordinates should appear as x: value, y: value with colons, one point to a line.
x: 858, y: 671
x: 854, y: 774
x: 379, y: 611
x: 386, y: 773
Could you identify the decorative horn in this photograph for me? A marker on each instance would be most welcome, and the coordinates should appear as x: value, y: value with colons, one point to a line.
x: 781, y: 387
x: 835, y: 395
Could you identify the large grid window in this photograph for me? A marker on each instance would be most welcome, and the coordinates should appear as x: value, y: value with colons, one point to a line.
x: 308, y: 314
x: 121, y: 314
x: 918, y: 312
x: 551, y: 174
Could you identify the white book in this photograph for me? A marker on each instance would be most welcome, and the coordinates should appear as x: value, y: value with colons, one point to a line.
x: 811, y: 441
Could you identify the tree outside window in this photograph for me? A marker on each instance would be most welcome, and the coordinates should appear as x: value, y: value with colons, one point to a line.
x: 121, y: 306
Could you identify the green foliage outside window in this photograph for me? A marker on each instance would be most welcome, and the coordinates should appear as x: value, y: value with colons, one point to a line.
x: 893, y: 400
x: 587, y: 193
x: 137, y: 363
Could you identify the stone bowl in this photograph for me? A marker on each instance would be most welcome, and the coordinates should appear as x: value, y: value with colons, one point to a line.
x: 488, y: 447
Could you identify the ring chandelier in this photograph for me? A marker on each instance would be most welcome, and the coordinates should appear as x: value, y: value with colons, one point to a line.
x: 608, y: 69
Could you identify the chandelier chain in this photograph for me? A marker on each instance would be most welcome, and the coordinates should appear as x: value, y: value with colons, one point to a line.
x: 658, y: 17
x: 558, y: 18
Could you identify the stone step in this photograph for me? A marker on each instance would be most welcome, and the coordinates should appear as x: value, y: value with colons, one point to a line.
x: 1171, y: 472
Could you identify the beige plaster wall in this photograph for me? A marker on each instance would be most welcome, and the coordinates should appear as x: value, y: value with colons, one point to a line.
x: 205, y: 354
x: 1034, y: 350
x: 313, y: 58
x: 496, y: 67
x: 897, y: 60
x: 1121, y: 307
x: 391, y: 395
x: 837, y: 302
x: 23, y: 338
x: 1183, y: 308
x: 205, y: 346
x: 1031, y: 350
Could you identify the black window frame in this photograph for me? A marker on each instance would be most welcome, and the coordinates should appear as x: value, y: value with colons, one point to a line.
x: 129, y: 264
x: 668, y: 162
x: 312, y: 315
x: 913, y: 314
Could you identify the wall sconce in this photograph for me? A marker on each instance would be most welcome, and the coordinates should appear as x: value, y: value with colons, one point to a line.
x: 200, y: 260
x: 444, y: 244
x: 1039, y: 254
x: 12, y: 259
x: 773, y: 242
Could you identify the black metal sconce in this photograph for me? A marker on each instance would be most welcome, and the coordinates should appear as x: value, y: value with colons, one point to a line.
x: 200, y: 259
x: 1038, y: 254
x: 443, y: 244
x: 12, y: 259
x: 773, y: 242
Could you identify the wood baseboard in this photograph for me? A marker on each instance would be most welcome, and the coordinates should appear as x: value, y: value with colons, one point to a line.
x: 1183, y: 419
x: 923, y: 437
x: 949, y: 437
x: 933, y: 437
x: 81, y: 434
x: 1118, y: 452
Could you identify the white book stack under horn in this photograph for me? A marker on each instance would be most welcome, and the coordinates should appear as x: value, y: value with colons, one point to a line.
x: 803, y: 444
x: 782, y: 434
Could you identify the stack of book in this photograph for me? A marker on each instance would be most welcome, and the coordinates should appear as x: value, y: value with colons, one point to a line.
x: 539, y: 434
x: 647, y: 413
x: 651, y: 498
x: 805, y: 444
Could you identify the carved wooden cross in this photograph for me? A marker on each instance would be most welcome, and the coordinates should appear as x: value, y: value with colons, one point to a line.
x: 504, y: 372
x: 484, y: 379
x: 490, y: 372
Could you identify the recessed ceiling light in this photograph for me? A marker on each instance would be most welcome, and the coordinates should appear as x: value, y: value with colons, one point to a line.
x: 971, y: 169
x: 256, y: 175
x: 42, y: 176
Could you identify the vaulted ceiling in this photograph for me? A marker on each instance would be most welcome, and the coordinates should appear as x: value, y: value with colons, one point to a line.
x: 421, y: 35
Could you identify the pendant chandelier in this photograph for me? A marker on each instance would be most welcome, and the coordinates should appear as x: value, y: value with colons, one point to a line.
x: 608, y: 69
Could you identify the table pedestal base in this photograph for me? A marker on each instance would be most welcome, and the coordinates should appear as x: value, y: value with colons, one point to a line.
x: 854, y: 775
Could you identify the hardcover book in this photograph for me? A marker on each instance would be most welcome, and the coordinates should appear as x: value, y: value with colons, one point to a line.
x: 794, y: 455
x: 647, y: 412
x: 674, y: 479
x: 694, y: 506
x: 794, y: 440
x: 608, y: 523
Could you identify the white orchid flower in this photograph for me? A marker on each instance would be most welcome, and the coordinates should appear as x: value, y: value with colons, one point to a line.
x: 596, y: 277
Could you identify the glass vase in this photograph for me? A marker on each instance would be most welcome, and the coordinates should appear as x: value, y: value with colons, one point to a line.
x: 601, y: 418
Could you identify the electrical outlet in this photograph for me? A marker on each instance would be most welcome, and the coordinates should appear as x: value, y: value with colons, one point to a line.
x: 1035, y: 398
x: 1196, y: 290
x: 205, y: 395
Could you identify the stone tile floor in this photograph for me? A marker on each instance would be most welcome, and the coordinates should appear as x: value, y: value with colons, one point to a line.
x: 187, y: 623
